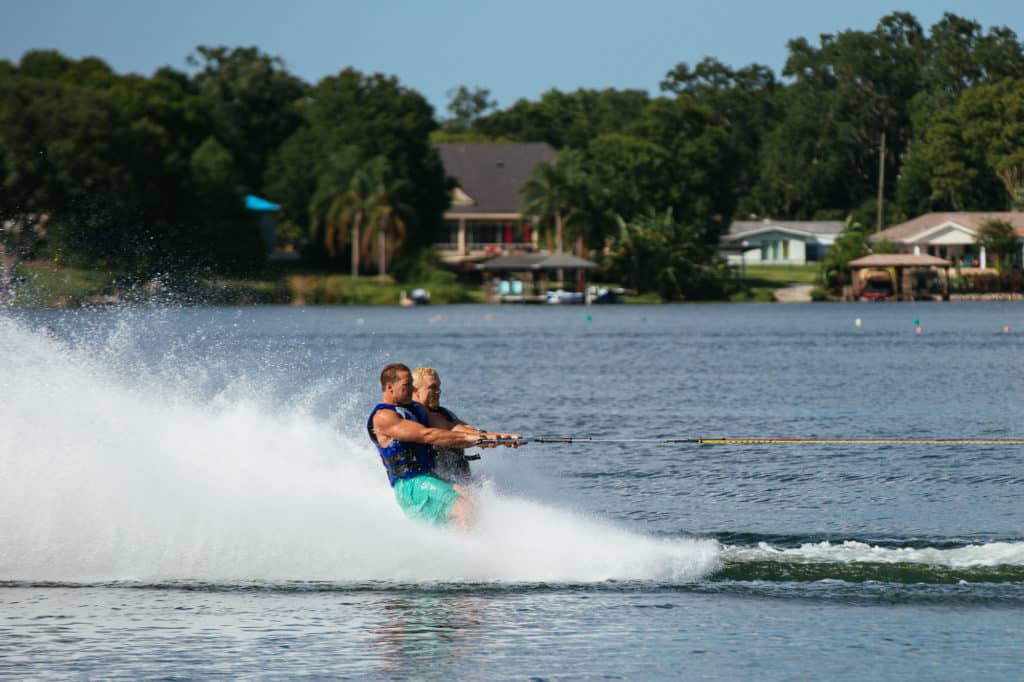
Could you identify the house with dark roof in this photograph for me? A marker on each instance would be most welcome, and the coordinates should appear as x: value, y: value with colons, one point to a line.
x: 952, y: 235
x: 778, y: 242
x: 483, y: 218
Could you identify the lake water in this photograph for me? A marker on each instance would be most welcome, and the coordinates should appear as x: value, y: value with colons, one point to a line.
x: 190, y: 493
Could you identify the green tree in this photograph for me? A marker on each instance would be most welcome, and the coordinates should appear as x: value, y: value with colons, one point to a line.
x: 360, y: 203
x: 655, y: 252
x: 565, y: 119
x: 378, y: 117
x: 993, y: 119
x: 553, y: 193
x: 998, y: 238
x: 292, y: 177
x: 386, y: 223
x: 44, y: 65
x: 627, y: 176
x: 834, y: 268
x: 252, y: 102
x: 340, y: 203
x: 465, y: 106
x: 846, y: 124
x: 701, y: 163
x: 960, y: 56
x: 62, y: 157
x: 942, y: 170
x: 746, y: 104
x: 969, y: 155
x: 222, y: 236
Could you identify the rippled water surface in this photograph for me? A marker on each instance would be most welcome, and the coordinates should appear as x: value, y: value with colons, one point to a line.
x: 191, y: 493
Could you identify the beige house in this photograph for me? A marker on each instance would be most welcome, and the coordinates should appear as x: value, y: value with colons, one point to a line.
x: 483, y: 218
x: 948, y: 235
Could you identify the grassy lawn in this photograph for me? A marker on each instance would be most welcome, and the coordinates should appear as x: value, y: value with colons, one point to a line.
x: 368, y: 290
x: 761, y: 280
x: 46, y: 284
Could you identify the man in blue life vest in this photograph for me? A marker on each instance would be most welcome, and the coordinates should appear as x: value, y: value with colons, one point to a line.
x: 403, y: 434
x: 451, y: 464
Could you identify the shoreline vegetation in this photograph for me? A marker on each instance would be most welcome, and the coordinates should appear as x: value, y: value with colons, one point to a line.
x: 43, y: 284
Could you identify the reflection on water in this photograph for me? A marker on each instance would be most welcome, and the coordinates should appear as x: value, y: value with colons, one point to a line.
x: 421, y: 632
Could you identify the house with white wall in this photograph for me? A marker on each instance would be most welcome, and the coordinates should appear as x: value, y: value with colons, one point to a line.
x: 952, y: 235
x: 779, y: 242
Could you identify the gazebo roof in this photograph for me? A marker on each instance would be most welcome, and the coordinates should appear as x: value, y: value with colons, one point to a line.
x: 889, y: 260
x: 537, y: 261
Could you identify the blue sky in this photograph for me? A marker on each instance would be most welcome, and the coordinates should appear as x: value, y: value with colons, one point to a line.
x: 515, y: 49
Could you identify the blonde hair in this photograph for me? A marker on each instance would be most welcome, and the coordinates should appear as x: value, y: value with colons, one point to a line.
x: 421, y: 373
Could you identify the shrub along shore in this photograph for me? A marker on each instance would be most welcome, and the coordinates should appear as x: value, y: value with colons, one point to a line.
x: 47, y: 285
x: 43, y: 284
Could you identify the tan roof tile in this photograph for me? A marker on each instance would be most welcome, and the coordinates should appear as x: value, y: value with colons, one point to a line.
x: 971, y: 220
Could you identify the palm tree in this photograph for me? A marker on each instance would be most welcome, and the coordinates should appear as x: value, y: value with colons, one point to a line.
x: 363, y: 196
x: 553, y: 192
x: 346, y: 197
x: 331, y: 207
x: 385, y: 212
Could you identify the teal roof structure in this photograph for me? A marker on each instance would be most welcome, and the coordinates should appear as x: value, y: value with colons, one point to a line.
x: 255, y: 203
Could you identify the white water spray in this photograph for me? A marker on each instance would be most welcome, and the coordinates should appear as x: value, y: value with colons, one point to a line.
x: 106, y: 475
x: 852, y: 552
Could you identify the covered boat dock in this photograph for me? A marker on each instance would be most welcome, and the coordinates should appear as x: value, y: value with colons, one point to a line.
x: 913, y: 276
x: 524, y: 277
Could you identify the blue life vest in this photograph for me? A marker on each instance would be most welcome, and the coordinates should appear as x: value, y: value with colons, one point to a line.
x: 401, y: 459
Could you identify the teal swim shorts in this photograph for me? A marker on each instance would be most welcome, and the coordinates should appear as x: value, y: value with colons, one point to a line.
x: 426, y: 498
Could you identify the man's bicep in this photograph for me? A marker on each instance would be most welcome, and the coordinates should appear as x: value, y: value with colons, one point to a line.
x: 384, y: 421
x: 404, y: 429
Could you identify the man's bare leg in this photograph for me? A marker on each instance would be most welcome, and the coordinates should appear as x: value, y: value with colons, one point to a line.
x: 463, y: 513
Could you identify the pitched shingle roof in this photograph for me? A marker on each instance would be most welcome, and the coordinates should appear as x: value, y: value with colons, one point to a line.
x: 491, y: 174
x: 972, y: 220
x: 537, y: 261
x: 741, y: 228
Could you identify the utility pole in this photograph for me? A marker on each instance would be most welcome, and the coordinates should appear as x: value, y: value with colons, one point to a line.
x: 881, y: 178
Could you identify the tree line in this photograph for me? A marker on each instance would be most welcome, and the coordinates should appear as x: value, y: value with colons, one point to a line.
x: 872, y: 127
x: 148, y: 173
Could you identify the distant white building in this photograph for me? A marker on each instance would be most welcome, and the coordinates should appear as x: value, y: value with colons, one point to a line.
x: 779, y: 242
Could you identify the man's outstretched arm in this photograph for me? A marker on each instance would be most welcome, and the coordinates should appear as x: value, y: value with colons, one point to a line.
x: 389, y: 424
